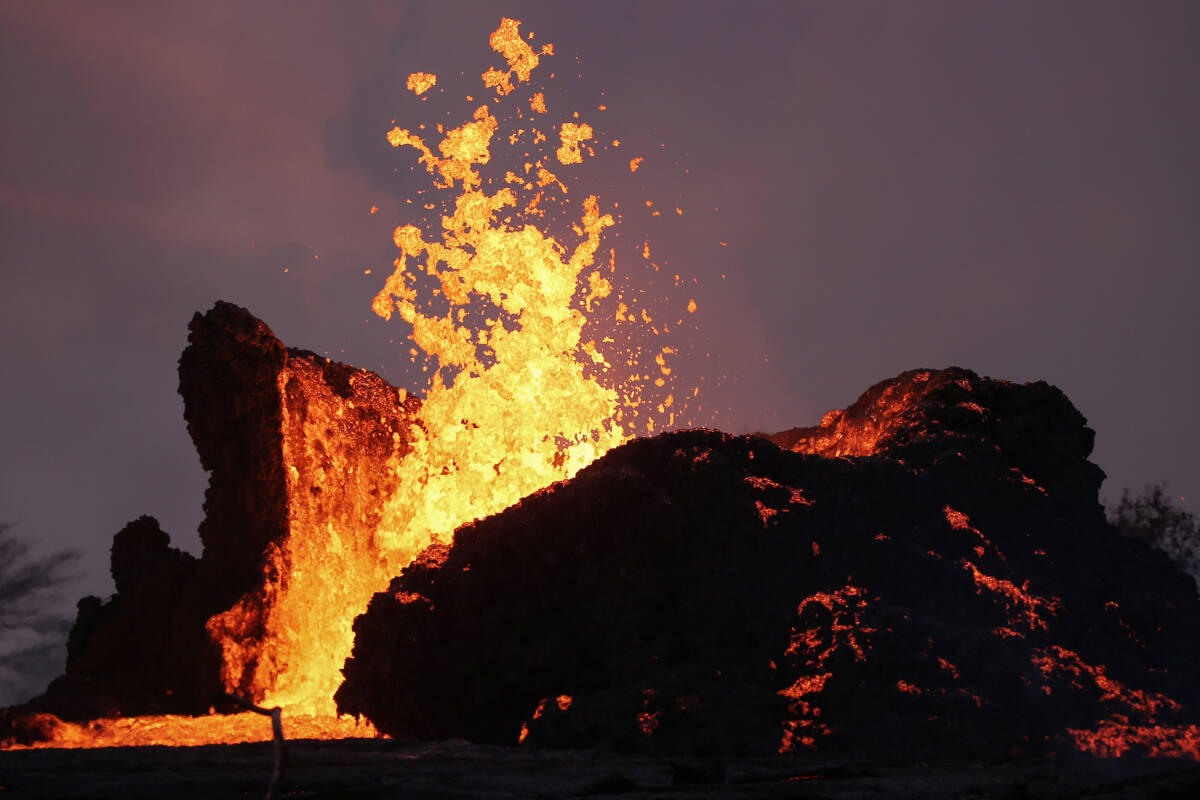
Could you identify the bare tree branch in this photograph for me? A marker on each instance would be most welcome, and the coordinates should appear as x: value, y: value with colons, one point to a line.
x: 32, y: 631
x: 1155, y: 519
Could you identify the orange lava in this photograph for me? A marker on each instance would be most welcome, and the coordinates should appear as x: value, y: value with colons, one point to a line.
x: 1133, y: 726
x: 1115, y: 738
x: 1029, y: 607
x: 814, y: 642
x: 181, y: 731
x: 519, y: 397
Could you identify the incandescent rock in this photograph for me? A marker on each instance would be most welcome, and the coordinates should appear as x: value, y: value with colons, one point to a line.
x: 926, y: 574
x: 1033, y: 431
x: 300, y: 449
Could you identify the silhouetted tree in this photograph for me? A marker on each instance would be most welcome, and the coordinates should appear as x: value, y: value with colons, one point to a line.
x: 1152, y: 517
x: 32, y: 631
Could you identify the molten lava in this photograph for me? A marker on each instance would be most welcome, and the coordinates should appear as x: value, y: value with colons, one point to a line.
x: 528, y: 386
x: 175, y: 730
x: 499, y: 307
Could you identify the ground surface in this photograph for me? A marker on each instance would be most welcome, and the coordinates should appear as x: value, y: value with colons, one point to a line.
x: 456, y: 769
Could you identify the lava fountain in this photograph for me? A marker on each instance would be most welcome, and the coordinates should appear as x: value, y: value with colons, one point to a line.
x: 498, y: 307
x: 538, y: 364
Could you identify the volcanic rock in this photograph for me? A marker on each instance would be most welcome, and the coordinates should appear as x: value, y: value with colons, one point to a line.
x: 296, y: 446
x: 920, y: 414
x: 300, y: 449
x: 143, y: 651
x: 928, y: 573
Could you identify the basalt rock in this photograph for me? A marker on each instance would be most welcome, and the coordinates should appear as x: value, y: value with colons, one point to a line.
x: 296, y: 446
x: 926, y: 574
x: 300, y: 448
x: 143, y: 651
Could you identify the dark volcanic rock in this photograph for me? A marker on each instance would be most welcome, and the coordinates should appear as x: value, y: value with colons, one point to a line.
x: 1032, y: 431
x: 228, y: 377
x: 926, y: 574
x: 296, y: 446
x: 144, y: 651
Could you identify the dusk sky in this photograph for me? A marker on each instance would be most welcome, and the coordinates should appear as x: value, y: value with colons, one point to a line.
x: 1010, y: 187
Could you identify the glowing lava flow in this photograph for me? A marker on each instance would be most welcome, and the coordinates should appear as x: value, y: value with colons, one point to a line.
x: 509, y: 410
x: 499, y: 306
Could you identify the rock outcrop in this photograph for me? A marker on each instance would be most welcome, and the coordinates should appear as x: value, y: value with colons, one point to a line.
x: 301, y: 451
x: 297, y: 448
x: 926, y: 574
x: 144, y: 650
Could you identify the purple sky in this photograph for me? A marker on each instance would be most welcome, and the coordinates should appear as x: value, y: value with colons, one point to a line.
x: 1008, y: 186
